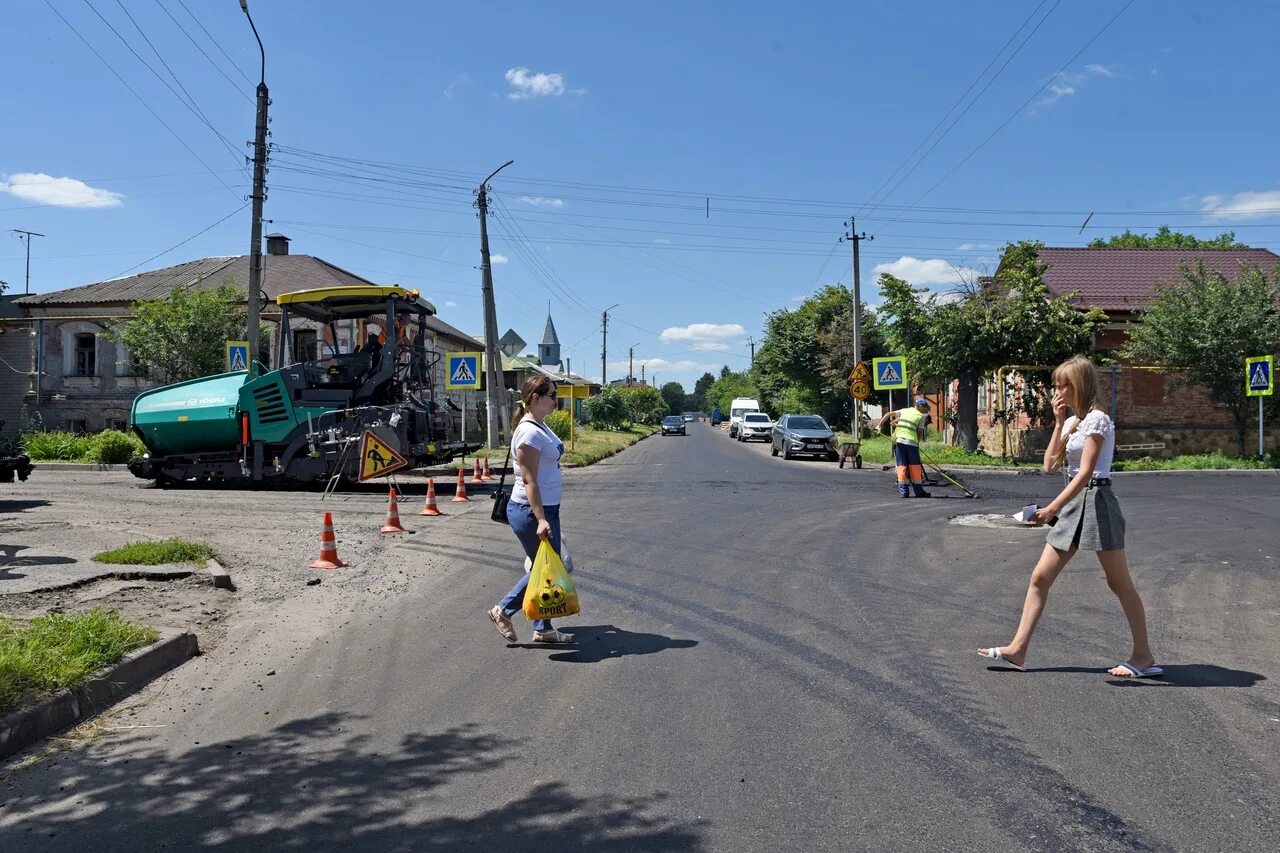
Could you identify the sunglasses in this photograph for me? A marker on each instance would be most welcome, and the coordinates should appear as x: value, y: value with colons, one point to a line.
x: 550, y: 393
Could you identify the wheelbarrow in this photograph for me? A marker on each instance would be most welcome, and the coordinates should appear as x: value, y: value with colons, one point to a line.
x: 852, y: 453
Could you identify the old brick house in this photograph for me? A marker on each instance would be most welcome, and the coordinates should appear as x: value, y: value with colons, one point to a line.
x: 1148, y: 409
x: 77, y: 378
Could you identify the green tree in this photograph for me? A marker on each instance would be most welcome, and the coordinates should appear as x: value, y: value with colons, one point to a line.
x: 698, y: 399
x: 725, y: 372
x: 1206, y: 326
x: 807, y: 354
x: 729, y: 386
x: 1164, y: 238
x: 645, y: 404
x: 184, y: 335
x: 608, y: 410
x: 673, y: 394
x: 1013, y: 320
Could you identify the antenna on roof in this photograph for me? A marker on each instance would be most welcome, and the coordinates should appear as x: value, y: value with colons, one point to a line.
x: 1086, y: 222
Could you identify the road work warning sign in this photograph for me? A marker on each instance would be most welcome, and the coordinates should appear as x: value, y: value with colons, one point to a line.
x: 462, y: 371
x: 377, y: 458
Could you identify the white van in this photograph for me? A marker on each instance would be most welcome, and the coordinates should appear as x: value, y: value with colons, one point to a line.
x: 739, y: 407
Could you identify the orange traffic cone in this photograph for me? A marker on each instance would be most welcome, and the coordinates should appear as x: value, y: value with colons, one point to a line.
x: 460, y: 491
x: 328, y: 558
x: 430, y: 508
x: 475, y: 477
x: 484, y: 472
x: 393, y: 516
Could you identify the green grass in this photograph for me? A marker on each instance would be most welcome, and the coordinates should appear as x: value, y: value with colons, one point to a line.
x: 591, y: 445
x: 879, y: 449
x: 156, y: 553
x: 60, y: 650
x: 1196, y: 462
x: 109, y: 447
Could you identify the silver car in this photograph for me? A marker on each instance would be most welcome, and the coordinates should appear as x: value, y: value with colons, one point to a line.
x: 807, y: 435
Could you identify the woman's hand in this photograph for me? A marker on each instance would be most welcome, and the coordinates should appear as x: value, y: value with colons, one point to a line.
x: 1059, y: 408
x: 1043, y: 516
x: 544, y: 530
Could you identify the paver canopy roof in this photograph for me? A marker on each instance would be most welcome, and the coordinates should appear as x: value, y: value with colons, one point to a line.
x: 1121, y: 280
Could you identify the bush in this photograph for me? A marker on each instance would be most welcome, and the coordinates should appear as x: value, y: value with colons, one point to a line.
x: 560, y: 422
x: 608, y: 410
x: 113, y: 447
x: 645, y: 404
x: 56, y: 446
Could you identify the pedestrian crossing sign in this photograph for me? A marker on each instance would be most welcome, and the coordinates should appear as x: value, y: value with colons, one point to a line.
x: 462, y: 371
x: 237, y: 356
x: 890, y: 373
x: 1260, y: 377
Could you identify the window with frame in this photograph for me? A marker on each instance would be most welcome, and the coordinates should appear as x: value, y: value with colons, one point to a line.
x: 86, y: 355
x: 304, y: 345
x: 79, y: 426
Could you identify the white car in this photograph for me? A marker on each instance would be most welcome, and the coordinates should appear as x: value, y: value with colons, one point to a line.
x: 755, y: 425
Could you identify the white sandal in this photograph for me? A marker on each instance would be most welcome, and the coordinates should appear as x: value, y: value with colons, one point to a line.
x: 552, y: 637
x: 993, y: 653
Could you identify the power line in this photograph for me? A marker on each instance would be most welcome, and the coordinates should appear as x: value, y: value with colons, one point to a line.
x: 183, y: 242
x: 196, y: 45
x: 141, y: 100
x: 216, y: 43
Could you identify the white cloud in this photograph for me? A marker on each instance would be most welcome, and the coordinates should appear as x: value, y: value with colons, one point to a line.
x: 541, y: 201
x: 1099, y: 70
x: 496, y: 258
x: 527, y: 84
x: 971, y: 247
x: 449, y: 303
x: 459, y: 83
x: 662, y: 241
x: 1067, y: 83
x: 1245, y: 205
x: 58, y: 192
x: 925, y: 272
x: 1057, y: 91
x: 659, y: 365
x: 710, y: 346
x: 696, y: 333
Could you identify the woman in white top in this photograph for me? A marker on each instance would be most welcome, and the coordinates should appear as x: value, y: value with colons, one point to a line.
x: 534, y: 509
x: 1084, y: 515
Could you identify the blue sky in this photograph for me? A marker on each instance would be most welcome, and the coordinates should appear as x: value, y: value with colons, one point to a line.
x: 626, y: 123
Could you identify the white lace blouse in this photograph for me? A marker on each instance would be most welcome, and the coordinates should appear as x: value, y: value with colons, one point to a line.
x: 1094, y: 423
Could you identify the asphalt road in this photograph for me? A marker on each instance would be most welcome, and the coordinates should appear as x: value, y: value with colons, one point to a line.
x: 772, y: 656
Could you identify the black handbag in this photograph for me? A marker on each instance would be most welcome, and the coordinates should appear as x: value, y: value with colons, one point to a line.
x: 501, y: 496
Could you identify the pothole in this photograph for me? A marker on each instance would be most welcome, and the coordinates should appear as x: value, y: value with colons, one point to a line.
x: 990, y: 519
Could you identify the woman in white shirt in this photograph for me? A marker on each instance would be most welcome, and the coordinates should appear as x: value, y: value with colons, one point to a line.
x: 1084, y: 515
x: 534, y: 509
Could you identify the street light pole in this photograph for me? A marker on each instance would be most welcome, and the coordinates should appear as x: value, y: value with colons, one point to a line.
x: 604, y: 343
x: 855, y: 238
x: 254, y: 308
x: 27, y: 240
x: 492, y: 365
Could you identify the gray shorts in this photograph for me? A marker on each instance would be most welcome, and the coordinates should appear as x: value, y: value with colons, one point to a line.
x: 1092, y: 521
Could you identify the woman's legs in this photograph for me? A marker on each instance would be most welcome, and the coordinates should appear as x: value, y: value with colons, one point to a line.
x: 525, y: 526
x: 1052, y: 562
x: 1121, y: 583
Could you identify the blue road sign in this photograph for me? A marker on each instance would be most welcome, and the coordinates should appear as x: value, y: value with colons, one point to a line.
x: 1260, y: 377
x: 462, y: 371
x: 889, y: 373
x: 237, y: 356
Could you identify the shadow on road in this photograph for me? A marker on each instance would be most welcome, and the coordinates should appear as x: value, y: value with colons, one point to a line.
x: 21, y: 506
x: 311, y: 785
x: 594, y: 643
x: 1175, y: 675
x: 9, y: 557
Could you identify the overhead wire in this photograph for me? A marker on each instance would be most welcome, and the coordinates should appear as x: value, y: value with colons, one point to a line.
x: 196, y: 45
x: 140, y: 99
x: 181, y: 243
x: 216, y: 43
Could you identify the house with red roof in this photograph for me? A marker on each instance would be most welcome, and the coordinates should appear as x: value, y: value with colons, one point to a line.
x: 1147, y: 406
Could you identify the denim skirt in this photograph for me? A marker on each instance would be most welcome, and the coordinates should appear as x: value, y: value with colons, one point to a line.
x: 1092, y: 521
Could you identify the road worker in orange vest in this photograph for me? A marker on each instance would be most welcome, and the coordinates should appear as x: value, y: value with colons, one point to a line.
x: 909, y: 429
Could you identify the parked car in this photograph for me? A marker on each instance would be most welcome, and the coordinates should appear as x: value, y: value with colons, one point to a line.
x: 739, y: 407
x: 809, y: 435
x: 755, y: 425
x: 673, y: 425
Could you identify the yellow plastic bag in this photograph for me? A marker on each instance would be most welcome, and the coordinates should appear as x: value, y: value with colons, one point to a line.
x: 550, y: 594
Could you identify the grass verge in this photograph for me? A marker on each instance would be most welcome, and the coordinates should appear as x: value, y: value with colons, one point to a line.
x: 1196, y: 462
x: 60, y: 650
x: 590, y: 445
x: 879, y: 449
x: 157, y: 553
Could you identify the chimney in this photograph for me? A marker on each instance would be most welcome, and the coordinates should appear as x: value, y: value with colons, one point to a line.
x: 277, y: 244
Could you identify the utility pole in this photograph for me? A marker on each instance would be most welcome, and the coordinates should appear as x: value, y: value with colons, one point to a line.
x: 27, y: 240
x: 752, y: 342
x: 855, y: 238
x: 642, y: 382
x: 492, y: 364
x: 604, y: 343
x: 254, y: 307
x: 631, y: 364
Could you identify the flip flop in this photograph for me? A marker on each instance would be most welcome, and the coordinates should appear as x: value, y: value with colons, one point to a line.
x: 1134, y: 672
x: 993, y: 653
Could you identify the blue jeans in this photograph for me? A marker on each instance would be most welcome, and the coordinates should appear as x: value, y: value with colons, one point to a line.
x: 525, y: 525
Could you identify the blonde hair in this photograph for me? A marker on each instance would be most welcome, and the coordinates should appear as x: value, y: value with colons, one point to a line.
x: 1082, y: 375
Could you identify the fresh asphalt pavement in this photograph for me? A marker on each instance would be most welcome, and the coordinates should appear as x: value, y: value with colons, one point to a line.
x: 771, y: 656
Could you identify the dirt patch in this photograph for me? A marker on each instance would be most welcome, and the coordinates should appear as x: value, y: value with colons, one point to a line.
x: 186, y: 603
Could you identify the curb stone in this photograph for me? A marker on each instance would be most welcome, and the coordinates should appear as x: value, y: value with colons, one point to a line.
x: 221, y: 578
x: 23, y: 727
